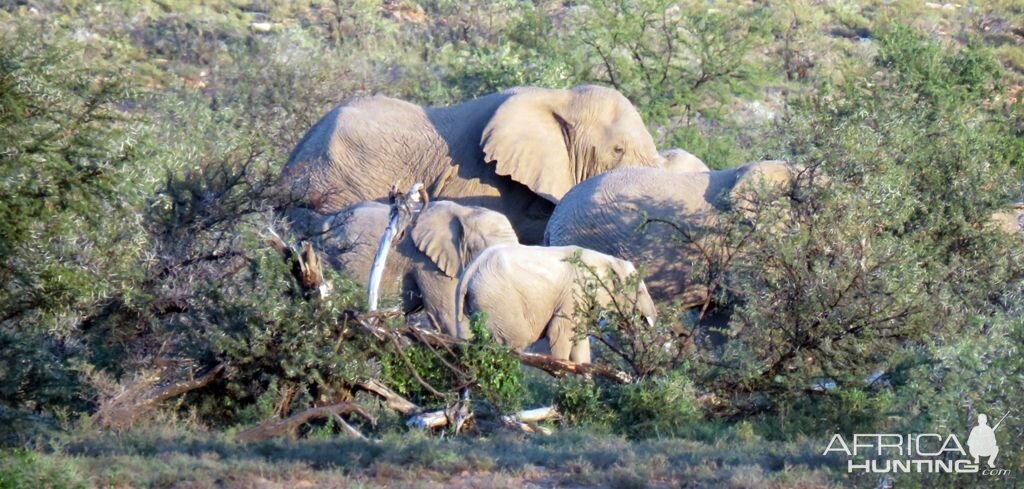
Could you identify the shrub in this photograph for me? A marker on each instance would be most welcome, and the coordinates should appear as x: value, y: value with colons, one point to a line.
x: 279, y: 349
x: 486, y: 367
x: 23, y: 468
x: 583, y: 403
x: 679, y: 63
x: 892, y: 255
x: 497, y: 375
x: 71, y: 232
x: 664, y: 406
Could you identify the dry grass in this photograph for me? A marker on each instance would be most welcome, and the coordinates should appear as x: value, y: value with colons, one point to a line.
x: 173, y: 456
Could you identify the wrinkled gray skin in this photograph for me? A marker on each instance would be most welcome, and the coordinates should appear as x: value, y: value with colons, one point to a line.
x: 605, y: 213
x: 681, y: 161
x: 529, y: 293
x: 517, y: 152
x: 427, y: 259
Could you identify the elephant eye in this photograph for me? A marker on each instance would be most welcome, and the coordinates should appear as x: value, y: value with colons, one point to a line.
x: 619, y: 149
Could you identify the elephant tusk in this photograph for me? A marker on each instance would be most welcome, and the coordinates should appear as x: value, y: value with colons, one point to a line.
x: 401, y: 210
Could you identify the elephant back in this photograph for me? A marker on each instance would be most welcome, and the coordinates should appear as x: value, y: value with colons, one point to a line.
x: 608, y: 214
x: 355, y: 151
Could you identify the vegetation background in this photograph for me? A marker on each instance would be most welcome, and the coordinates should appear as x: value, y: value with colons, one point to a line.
x: 139, y: 144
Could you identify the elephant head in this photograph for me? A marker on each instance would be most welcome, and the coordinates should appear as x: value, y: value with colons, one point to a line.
x: 757, y: 180
x: 451, y: 235
x: 629, y: 297
x: 516, y: 152
x: 610, y: 214
x: 681, y: 161
x: 429, y: 255
x: 551, y: 140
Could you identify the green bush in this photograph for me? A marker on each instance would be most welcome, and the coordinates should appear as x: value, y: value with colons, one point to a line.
x: 680, y: 63
x: 664, y: 406
x: 497, y: 375
x: 481, y: 364
x: 583, y: 403
x: 282, y: 353
x: 888, y: 257
x: 21, y: 468
x: 70, y: 184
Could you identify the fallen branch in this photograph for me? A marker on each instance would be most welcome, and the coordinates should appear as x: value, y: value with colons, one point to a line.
x: 391, y: 398
x: 306, y: 267
x: 524, y: 426
x: 560, y: 368
x: 274, y: 428
x: 535, y: 415
x: 348, y: 429
x: 553, y: 366
x: 455, y: 415
x: 526, y: 421
x: 120, y: 412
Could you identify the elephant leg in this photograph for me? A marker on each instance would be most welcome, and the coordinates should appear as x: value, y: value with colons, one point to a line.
x: 412, y: 297
x: 561, y: 334
x: 581, y: 351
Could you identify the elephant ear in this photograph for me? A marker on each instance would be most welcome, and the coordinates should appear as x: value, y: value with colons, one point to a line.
x: 451, y: 235
x: 753, y: 177
x: 483, y: 228
x: 528, y: 140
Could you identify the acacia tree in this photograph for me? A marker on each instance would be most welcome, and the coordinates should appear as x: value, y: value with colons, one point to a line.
x: 849, y: 284
x: 68, y: 189
x: 679, y: 63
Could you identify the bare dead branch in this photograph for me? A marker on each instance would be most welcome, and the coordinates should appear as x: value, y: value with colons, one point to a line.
x: 120, y: 412
x: 391, y: 398
x: 274, y: 428
x: 457, y: 415
x: 306, y: 266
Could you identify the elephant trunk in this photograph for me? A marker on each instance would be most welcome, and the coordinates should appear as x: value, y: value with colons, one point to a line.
x: 463, y: 328
x: 401, y: 216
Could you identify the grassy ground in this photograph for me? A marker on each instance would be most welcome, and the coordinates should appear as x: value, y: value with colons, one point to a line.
x: 166, y: 457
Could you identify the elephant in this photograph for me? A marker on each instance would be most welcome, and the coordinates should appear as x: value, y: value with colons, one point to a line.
x: 681, y: 161
x: 530, y: 293
x: 516, y: 152
x: 606, y: 214
x: 427, y: 259
x: 1010, y: 221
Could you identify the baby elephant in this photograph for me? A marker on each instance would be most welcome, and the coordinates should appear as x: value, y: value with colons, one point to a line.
x: 531, y: 292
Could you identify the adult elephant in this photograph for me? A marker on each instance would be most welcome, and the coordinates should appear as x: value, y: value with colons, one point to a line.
x: 517, y: 152
x: 427, y: 258
x: 607, y: 214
